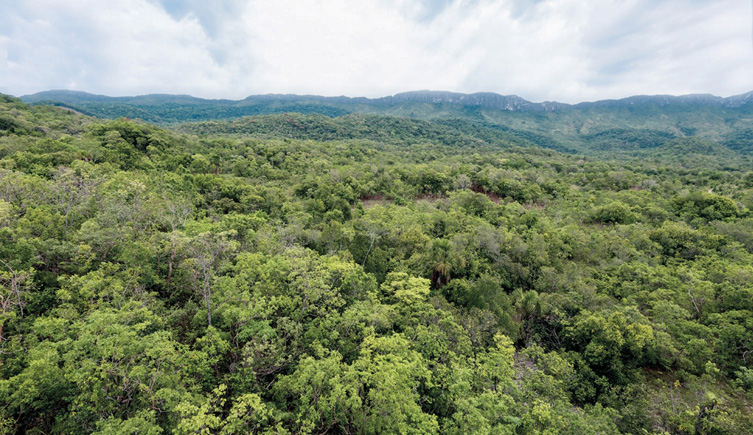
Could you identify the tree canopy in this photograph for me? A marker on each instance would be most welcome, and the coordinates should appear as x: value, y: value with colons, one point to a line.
x: 365, y: 275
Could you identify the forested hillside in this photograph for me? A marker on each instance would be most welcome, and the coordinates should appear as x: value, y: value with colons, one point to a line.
x: 635, y: 127
x: 372, y: 274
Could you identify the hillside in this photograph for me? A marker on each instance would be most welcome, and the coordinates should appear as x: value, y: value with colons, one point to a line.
x: 638, y: 145
x: 630, y: 124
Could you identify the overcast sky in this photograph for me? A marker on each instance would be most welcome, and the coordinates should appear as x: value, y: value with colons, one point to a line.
x: 563, y: 50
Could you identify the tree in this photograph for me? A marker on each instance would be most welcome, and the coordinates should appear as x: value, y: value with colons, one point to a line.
x: 209, y: 252
x: 614, y: 213
x: 392, y: 374
x: 444, y: 259
x: 324, y: 393
x: 217, y: 414
x: 15, y: 284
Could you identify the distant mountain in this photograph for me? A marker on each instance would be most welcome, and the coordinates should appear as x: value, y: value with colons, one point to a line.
x: 611, y: 127
x: 486, y: 100
x: 75, y: 97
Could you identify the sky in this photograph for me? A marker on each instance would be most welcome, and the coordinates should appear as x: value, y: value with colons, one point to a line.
x: 541, y: 50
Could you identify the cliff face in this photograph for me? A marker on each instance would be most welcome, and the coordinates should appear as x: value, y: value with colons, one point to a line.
x: 740, y: 100
x: 482, y: 99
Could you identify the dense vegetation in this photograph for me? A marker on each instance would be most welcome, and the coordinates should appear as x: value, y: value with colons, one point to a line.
x: 367, y: 274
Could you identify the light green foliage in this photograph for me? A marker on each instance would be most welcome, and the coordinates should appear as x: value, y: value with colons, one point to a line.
x: 5, y: 213
x: 144, y: 423
x: 392, y: 374
x: 407, y: 292
x: 247, y: 413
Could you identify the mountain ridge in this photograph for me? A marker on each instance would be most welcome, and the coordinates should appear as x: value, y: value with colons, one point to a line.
x: 480, y: 99
x: 638, y: 122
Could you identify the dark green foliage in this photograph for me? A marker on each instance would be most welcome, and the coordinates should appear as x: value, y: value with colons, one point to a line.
x: 138, y: 136
x: 740, y: 140
x: 614, y: 213
x: 707, y: 206
x: 620, y: 139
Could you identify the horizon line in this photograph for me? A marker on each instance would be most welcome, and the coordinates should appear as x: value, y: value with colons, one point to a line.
x: 271, y: 94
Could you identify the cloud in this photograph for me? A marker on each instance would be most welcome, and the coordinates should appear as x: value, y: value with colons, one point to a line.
x: 565, y: 50
x: 123, y: 47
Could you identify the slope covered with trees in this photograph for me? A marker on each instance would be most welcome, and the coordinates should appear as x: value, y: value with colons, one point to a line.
x: 301, y: 274
x: 628, y: 128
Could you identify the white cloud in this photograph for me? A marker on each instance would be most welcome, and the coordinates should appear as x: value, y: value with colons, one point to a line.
x: 565, y: 50
x: 124, y: 47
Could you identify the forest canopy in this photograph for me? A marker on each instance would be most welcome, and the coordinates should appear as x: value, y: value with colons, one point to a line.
x: 298, y: 273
